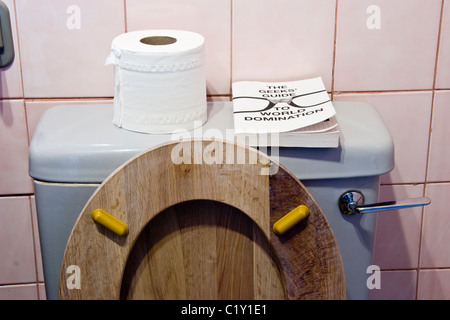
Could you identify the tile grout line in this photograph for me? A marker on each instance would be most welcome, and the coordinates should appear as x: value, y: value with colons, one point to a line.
x: 18, y: 49
x: 334, y: 49
x: 231, y: 50
x: 125, y: 15
x: 427, y: 163
x: 434, y: 90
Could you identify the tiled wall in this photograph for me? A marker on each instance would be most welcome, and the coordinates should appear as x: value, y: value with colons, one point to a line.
x: 392, y: 54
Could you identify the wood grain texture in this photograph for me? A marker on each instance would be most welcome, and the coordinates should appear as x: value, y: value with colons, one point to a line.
x: 308, y: 253
x: 201, y: 249
x: 202, y: 230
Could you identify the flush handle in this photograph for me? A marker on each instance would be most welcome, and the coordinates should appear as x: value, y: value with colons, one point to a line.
x: 352, y: 202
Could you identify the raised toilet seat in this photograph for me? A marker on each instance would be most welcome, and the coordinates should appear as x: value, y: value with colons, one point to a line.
x: 199, y: 219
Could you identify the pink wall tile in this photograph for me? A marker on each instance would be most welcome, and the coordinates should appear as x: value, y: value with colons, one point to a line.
x: 436, y: 225
x: 434, y: 285
x: 396, y: 285
x: 17, y: 257
x: 37, y: 242
x: 439, y: 167
x: 219, y: 98
x: 208, y: 18
x: 10, y: 77
x: 400, y: 55
x: 443, y: 67
x: 14, y: 177
x: 283, y: 40
x: 397, y: 237
x: 41, y: 292
x: 19, y: 292
x: 64, y: 45
x: 407, y: 116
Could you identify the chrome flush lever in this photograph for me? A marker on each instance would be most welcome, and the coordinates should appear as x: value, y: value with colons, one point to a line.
x: 352, y: 202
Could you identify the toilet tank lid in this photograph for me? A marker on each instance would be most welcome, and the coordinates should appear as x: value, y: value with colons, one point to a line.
x: 80, y: 144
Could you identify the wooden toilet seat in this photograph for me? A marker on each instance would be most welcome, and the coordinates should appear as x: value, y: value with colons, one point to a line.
x: 200, y: 216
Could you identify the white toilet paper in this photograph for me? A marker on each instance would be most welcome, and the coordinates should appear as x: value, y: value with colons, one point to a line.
x: 160, y: 81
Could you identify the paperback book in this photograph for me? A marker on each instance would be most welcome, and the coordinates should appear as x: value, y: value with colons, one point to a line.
x: 285, y: 114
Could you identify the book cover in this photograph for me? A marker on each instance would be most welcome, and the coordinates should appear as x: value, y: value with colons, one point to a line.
x: 294, y: 113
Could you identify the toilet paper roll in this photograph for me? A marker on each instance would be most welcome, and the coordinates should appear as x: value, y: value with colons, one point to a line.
x: 160, y: 81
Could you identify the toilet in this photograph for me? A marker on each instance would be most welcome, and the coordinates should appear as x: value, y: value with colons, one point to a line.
x: 201, y: 231
x: 80, y: 162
